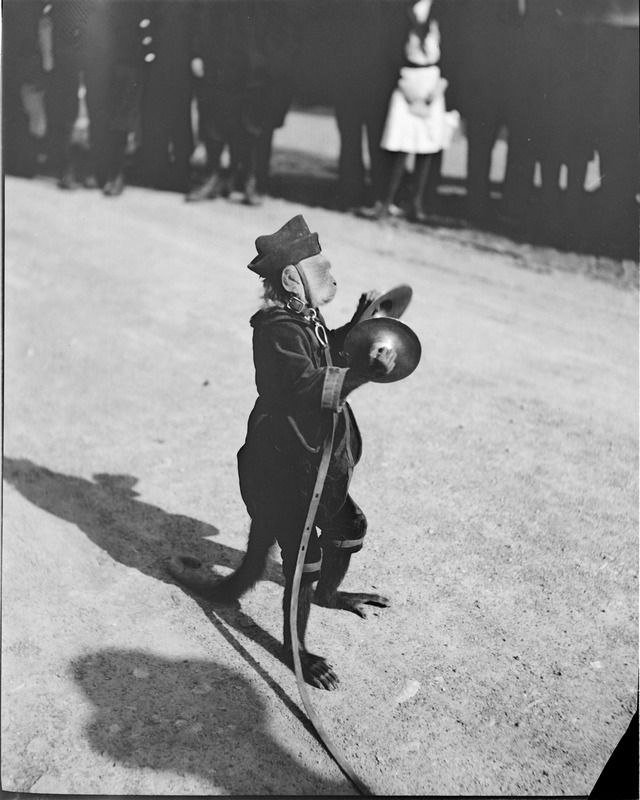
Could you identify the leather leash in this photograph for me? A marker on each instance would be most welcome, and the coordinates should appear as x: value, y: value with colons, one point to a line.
x: 293, y: 611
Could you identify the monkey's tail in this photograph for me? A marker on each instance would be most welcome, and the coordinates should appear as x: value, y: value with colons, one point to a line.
x: 190, y: 573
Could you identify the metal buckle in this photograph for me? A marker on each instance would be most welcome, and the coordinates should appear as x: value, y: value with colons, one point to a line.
x: 318, y: 328
x: 296, y: 305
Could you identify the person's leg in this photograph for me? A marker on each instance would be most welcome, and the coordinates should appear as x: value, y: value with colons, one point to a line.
x: 217, y: 112
x: 62, y: 109
x: 114, y: 185
x: 350, y: 165
x: 481, y: 136
x: 251, y: 126
x: 573, y: 206
x: 382, y: 208
x: 100, y: 84
x: 156, y: 131
x: 430, y: 193
x: 517, y: 186
x: 249, y: 160
x: 375, y: 116
x: 19, y: 152
x: 182, y: 140
x: 263, y: 156
x: 210, y: 189
x: 421, y: 173
x: 551, y: 198
x: 397, y: 173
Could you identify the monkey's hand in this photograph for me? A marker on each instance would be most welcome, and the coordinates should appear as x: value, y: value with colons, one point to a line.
x: 315, y: 670
x: 357, y: 602
x: 364, y: 302
x: 382, y: 360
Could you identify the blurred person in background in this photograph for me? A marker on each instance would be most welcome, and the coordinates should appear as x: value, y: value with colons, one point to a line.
x: 236, y: 67
x: 27, y: 67
x: 365, y: 38
x: 77, y: 56
x: 615, y: 73
x: 283, y: 53
x: 123, y: 89
x: 96, y: 43
x: 573, y: 93
x: 167, y: 134
x: 528, y: 51
x: 550, y: 120
x: 568, y: 130
x: 417, y: 123
x: 488, y: 67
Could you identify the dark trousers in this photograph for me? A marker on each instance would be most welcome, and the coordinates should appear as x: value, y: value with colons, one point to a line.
x: 234, y: 117
x: 277, y: 488
x: 72, y: 66
x: 63, y: 106
x: 353, y: 116
x: 167, y: 136
x: 345, y: 531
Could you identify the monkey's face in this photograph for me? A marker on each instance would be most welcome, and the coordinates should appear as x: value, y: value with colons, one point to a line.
x: 322, y: 285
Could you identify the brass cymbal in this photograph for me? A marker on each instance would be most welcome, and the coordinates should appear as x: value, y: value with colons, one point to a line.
x: 383, y: 332
x: 391, y: 304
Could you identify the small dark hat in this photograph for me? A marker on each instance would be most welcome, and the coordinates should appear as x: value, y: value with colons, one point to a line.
x: 293, y: 242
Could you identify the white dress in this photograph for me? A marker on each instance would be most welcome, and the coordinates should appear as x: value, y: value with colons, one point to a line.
x: 418, y: 121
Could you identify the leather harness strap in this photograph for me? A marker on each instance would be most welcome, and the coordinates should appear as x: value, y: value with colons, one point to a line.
x: 295, y: 592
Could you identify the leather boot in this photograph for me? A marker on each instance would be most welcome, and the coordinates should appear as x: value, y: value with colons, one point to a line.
x: 208, y: 191
x: 115, y: 187
x: 67, y: 180
x: 251, y: 197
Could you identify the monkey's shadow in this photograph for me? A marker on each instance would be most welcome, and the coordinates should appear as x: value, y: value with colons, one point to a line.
x: 144, y: 536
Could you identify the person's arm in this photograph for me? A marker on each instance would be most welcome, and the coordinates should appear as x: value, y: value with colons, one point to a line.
x: 198, y: 31
x: 45, y: 40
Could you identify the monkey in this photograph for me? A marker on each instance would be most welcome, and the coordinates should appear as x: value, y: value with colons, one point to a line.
x: 303, y: 379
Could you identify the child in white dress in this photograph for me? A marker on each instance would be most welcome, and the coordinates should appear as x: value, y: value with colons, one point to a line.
x: 417, y: 121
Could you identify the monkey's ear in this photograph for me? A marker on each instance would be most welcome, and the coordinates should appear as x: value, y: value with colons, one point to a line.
x: 291, y: 281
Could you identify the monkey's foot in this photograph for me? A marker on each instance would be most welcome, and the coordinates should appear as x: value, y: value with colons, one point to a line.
x: 355, y: 602
x: 316, y: 671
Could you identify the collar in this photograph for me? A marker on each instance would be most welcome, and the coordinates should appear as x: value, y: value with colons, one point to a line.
x: 310, y: 315
x: 301, y: 308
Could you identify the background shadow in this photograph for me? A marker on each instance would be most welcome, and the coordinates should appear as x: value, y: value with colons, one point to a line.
x: 144, y: 537
x: 134, y: 533
x: 189, y: 717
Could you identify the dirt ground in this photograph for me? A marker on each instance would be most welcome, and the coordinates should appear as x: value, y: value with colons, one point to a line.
x: 499, y: 481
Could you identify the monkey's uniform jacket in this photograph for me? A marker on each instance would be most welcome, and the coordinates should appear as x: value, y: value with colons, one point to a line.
x: 299, y: 387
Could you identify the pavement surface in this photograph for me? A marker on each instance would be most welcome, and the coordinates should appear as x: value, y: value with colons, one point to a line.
x: 499, y: 481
